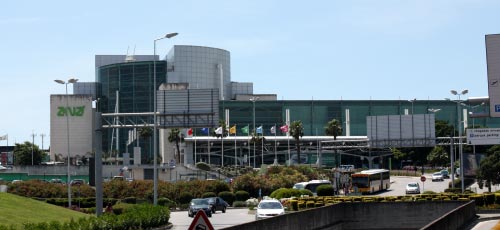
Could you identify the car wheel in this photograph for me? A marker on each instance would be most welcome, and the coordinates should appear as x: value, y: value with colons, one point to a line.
x: 224, y: 210
x: 213, y: 210
x: 209, y: 214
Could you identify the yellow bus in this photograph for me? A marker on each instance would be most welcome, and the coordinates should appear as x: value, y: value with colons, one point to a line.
x: 370, y: 181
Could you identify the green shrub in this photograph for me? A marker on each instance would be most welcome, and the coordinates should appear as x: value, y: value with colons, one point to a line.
x: 301, y: 205
x: 185, y: 197
x: 310, y: 204
x: 130, y: 200
x: 295, y: 205
x: 489, y: 198
x: 239, y: 204
x: 241, y: 195
x: 306, y: 192
x: 478, y: 199
x: 163, y: 201
x: 286, y: 193
x: 497, y: 198
x: 324, y: 190
x: 203, y: 166
x: 227, y: 196
x: 208, y: 194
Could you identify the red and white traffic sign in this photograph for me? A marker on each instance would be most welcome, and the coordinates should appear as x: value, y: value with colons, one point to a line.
x: 201, y: 222
x: 422, y: 178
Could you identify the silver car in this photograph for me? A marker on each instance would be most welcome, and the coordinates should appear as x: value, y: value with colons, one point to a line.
x: 413, y: 188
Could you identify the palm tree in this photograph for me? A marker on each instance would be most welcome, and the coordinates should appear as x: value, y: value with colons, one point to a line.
x: 333, y: 128
x: 145, y: 133
x: 176, y: 136
x: 297, y: 131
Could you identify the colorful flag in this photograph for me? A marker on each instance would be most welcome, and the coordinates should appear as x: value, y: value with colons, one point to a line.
x: 4, y: 137
x: 273, y: 130
x: 190, y: 132
x: 259, y: 130
x: 284, y: 128
x: 218, y: 131
x: 244, y: 130
x: 232, y: 130
x: 205, y: 130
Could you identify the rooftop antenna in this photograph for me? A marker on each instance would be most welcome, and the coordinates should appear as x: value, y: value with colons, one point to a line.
x: 130, y: 58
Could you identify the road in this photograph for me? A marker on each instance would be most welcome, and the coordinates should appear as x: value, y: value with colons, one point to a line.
x: 181, y: 221
x: 219, y: 220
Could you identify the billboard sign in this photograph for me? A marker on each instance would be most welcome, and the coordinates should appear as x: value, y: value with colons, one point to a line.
x: 401, y: 130
x: 493, y: 67
x: 485, y: 136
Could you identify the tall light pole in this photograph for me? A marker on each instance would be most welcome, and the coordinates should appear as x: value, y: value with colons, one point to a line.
x: 460, y: 148
x: 33, y: 135
x: 155, y: 148
x: 412, y: 101
x: 253, y: 100
x: 70, y: 81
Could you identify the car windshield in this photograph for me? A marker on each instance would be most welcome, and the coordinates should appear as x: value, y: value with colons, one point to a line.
x: 412, y: 185
x: 270, y: 205
x: 437, y: 174
x: 199, y: 202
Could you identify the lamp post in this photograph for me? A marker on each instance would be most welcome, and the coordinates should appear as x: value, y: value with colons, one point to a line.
x: 253, y: 100
x: 412, y: 101
x: 70, y: 81
x: 155, y: 148
x: 460, y: 148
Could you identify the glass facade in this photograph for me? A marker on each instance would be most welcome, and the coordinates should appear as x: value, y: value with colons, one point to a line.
x: 134, y: 83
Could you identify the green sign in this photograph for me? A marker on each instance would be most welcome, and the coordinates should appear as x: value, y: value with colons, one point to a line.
x: 71, y: 111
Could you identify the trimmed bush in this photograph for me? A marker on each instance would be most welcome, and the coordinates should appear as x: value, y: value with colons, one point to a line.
x: 163, y: 201
x: 241, y: 195
x: 478, y: 198
x: 489, y: 198
x: 295, y: 205
x: 208, y: 194
x: 239, y: 204
x: 497, y: 198
x: 129, y: 200
x: 227, y: 196
x: 203, y: 166
x: 325, y: 190
x: 185, y: 197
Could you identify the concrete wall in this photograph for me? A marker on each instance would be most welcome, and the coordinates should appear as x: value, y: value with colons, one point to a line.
x: 454, y: 219
x: 391, y: 215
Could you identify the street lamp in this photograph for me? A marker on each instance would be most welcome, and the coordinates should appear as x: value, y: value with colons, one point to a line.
x: 412, y: 101
x: 70, y: 81
x: 155, y: 148
x: 253, y: 100
x: 460, y: 148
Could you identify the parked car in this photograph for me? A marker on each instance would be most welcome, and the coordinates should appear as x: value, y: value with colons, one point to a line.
x: 445, y: 173
x: 437, y: 176
x: 269, y: 208
x: 199, y: 204
x: 217, y: 203
x: 413, y: 188
x: 77, y: 182
x: 56, y: 181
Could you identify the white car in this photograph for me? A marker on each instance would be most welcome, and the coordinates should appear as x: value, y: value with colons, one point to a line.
x: 269, y: 208
x: 437, y: 176
x: 413, y: 188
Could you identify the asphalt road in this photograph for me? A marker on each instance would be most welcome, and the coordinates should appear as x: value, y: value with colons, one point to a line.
x: 181, y: 221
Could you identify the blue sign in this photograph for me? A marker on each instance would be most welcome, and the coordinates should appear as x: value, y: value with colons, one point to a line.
x: 497, y: 108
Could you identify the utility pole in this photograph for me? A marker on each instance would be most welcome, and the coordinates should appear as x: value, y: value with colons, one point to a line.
x: 32, y: 146
x: 42, y: 135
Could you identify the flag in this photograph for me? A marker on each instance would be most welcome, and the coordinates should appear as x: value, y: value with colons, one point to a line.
x: 4, y: 137
x: 244, y: 129
x: 190, y: 132
x: 218, y: 131
x: 204, y: 130
x: 273, y: 130
x: 284, y: 128
x: 259, y: 130
x: 232, y: 130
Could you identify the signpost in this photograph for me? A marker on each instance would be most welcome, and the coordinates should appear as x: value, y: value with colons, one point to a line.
x: 422, y: 178
x: 201, y: 222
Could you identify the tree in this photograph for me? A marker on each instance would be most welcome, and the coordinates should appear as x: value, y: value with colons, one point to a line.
x: 297, y: 131
x: 176, y: 136
x: 333, y: 128
x: 145, y: 133
x: 489, y: 170
x: 22, y: 154
x: 443, y: 129
x: 438, y: 156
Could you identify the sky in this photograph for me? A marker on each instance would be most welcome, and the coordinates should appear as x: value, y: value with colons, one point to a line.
x: 298, y: 50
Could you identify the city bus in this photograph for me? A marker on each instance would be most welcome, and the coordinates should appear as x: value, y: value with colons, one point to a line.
x: 370, y: 181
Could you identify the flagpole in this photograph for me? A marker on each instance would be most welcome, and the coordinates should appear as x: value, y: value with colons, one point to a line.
x: 235, y: 159
x: 248, y: 140
x: 275, y: 146
x: 262, y: 148
x: 222, y: 148
x: 195, y: 147
x: 208, y: 139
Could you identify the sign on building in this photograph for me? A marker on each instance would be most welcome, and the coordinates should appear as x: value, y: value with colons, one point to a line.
x: 493, y: 64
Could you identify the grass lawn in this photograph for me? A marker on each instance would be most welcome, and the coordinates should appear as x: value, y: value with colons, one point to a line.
x: 16, y: 210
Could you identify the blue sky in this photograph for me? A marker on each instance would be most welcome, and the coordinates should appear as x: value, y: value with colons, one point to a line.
x: 325, y: 50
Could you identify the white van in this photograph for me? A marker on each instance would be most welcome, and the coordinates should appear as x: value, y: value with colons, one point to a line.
x: 311, y: 185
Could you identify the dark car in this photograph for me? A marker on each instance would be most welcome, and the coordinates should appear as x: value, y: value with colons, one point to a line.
x: 217, y: 203
x: 199, y: 204
x: 445, y: 173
